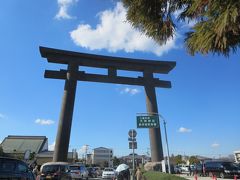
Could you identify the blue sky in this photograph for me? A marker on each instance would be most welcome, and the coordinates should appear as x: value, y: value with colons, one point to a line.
x: 201, y: 108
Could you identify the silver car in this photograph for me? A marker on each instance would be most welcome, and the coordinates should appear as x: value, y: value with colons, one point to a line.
x: 78, y: 171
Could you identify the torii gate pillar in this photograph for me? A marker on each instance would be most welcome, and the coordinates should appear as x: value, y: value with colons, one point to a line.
x: 65, y: 120
x: 154, y: 133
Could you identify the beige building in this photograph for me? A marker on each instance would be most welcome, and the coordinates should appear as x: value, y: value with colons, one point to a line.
x: 102, y: 155
x: 17, y: 146
x: 47, y: 156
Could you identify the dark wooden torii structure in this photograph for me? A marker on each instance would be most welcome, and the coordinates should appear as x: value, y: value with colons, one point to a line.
x: 112, y: 64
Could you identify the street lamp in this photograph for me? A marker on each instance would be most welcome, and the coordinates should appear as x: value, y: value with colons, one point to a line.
x: 109, y: 151
x: 85, y: 148
x: 165, y: 130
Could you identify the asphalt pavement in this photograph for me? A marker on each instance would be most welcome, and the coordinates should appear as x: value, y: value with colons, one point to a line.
x: 182, y: 175
x: 98, y: 178
x: 201, y: 178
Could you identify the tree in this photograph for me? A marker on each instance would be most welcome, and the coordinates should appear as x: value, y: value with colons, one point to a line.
x: 116, y: 161
x: 217, y: 27
x: 178, y: 159
x: 1, y: 151
x: 32, y: 156
x: 105, y: 164
x: 193, y: 160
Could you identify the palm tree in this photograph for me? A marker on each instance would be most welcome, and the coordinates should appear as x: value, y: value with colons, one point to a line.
x: 216, y: 29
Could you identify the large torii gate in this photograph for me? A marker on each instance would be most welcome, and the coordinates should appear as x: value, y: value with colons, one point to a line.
x: 112, y: 64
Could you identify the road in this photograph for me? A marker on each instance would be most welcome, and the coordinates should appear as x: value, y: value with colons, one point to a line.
x: 201, y: 178
x: 182, y: 175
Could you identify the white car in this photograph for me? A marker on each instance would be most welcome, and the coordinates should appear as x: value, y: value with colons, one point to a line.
x: 78, y: 171
x: 184, y: 168
x: 108, y: 173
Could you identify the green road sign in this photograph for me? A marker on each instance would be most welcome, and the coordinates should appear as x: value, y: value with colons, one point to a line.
x: 147, y: 121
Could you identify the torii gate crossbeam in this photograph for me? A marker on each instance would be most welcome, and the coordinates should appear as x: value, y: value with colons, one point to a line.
x: 112, y: 64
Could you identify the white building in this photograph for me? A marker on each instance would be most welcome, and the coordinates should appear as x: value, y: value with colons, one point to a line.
x: 237, y: 156
x: 102, y: 155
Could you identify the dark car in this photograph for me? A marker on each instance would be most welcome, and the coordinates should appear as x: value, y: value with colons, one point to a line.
x: 11, y: 168
x: 221, y: 169
x: 92, y: 172
x: 177, y: 169
x: 55, y: 170
x: 198, y: 169
x: 98, y: 171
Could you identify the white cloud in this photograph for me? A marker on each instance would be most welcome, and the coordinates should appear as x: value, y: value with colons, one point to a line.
x: 84, y: 148
x: 63, y: 9
x: 44, y: 121
x: 131, y: 91
x: 114, y: 33
x: 215, y: 145
x: 51, y: 146
x: 187, y: 23
x: 2, y: 116
x: 184, y: 130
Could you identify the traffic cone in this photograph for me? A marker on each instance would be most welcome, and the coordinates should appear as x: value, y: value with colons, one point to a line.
x: 195, y: 177
x: 214, y: 177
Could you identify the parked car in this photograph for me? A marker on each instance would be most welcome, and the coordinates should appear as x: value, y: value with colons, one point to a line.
x: 184, y: 168
x: 177, y: 169
x: 78, y: 171
x: 221, y: 169
x: 55, y: 170
x: 108, y: 173
x: 11, y: 168
x: 237, y: 165
x: 98, y: 171
x: 198, y: 169
x: 92, y: 172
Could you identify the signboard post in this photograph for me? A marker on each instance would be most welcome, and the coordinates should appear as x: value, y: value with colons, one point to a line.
x: 132, y: 145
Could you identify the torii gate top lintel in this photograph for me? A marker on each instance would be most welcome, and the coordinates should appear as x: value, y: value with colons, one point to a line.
x: 118, y: 63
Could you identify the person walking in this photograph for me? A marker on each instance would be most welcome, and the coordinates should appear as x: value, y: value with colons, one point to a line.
x: 139, y: 174
x: 35, y: 170
x: 190, y: 170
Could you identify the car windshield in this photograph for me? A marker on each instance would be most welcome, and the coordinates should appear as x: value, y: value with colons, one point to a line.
x: 50, y: 169
x: 7, y: 166
x: 74, y: 167
x: 237, y: 165
x: 91, y: 169
x: 229, y: 165
x: 108, y: 169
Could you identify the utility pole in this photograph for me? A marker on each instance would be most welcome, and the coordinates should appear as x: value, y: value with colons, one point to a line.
x: 109, y: 157
x: 165, y: 130
x: 86, y: 150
